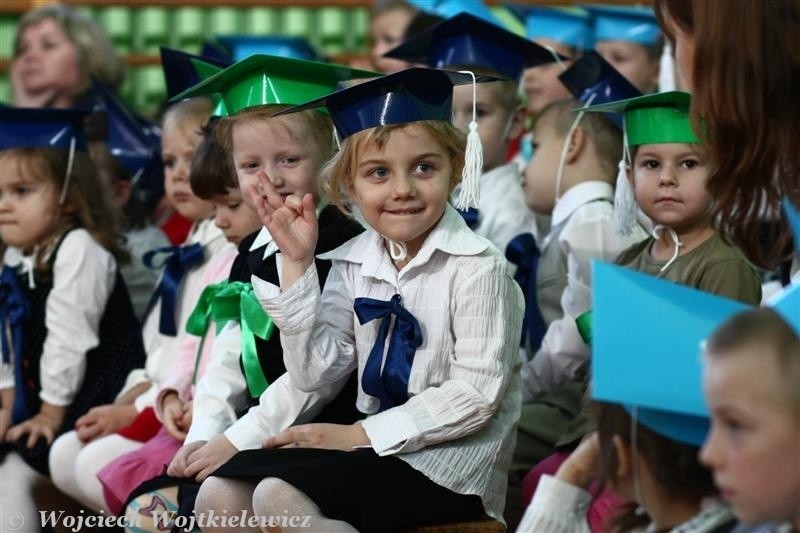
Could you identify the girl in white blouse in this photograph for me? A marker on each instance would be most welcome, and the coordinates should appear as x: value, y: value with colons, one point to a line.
x: 70, y: 335
x: 438, y: 380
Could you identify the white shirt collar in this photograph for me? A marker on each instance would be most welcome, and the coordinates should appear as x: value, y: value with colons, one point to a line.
x: 580, y: 194
x: 450, y: 235
x: 261, y: 239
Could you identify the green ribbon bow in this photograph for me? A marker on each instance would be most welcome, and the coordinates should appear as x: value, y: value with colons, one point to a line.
x: 584, y: 323
x: 235, y: 300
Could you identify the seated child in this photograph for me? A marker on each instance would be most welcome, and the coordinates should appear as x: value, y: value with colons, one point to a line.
x: 442, y: 407
x: 466, y: 42
x: 78, y: 455
x: 243, y: 397
x: 755, y: 423
x: 70, y: 335
x: 212, y: 179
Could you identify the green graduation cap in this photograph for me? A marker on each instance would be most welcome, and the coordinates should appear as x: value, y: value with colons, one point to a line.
x: 263, y: 79
x: 654, y: 118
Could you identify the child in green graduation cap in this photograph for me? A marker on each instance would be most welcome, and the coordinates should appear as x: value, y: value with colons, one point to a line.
x: 667, y: 172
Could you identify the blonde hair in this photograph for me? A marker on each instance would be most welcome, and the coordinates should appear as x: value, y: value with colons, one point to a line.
x: 87, y: 203
x: 339, y: 173
x: 189, y: 116
x: 96, y: 54
x: 311, y: 125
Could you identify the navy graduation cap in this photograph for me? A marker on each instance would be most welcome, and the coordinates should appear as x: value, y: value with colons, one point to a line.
x: 468, y: 41
x: 42, y: 127
x: 409, y: 95
x: 592, y: 80
x: 125, y: 136
x: 180, y: 69
x: 242, y: 46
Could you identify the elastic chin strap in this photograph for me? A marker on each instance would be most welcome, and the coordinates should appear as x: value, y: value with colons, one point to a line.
x: 473, y: 159
x: 675, y: 239
x: 564, y: 149
x: 637, y: 486
x: 68, y: 177
x: 398, y: 251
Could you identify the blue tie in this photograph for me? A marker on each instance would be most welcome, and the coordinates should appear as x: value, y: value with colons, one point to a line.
x: 391, y: 385
x: 14, y: 311
x: 179, y: 259
x: 470, y: 216
x: 523, y: 252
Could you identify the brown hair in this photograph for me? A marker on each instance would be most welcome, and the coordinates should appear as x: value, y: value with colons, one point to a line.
x: 507, y: 91
x: 341, y: 169
x: 212, y: 172
x: 605, y: 135
x: 766, y: 329
x: 95, y: 52
x: 746, y: 77
x: 87, y: 204
x: 137, y: 209
x: 673, y: 465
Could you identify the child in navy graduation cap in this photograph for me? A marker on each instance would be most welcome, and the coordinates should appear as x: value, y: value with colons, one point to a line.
x: 442, y: 402
x: 466, y: 42
x: 69, y: 332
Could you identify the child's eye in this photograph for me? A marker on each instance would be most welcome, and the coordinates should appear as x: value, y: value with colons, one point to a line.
x: 21, y: 191
x: 650, y: 163
x: 290, y: 160
x: 234, y: 205
x: 378, y: 172
x: 481, y: 112
x: 169, y: 162
x: 249, y: 165
x: 423, y: 168
x: 690, y: 163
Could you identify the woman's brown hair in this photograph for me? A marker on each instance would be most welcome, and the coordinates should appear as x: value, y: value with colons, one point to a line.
x: 87, y: 203
x: 673, y: 465
x: 746, y: 78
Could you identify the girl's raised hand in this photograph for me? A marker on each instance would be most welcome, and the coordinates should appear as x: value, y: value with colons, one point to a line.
x: 292, y: 222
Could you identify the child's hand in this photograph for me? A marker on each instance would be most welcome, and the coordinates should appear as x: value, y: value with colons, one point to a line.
x: 104, y: 420
x: 292, y: 222
x: 207, y: 459
x: 172, y: 415
x: 324, y: 436
x: 41, y: 425
x: 186, y: 420
x: 5, y: 422
x: 583, y: 466
x: 177, y: 467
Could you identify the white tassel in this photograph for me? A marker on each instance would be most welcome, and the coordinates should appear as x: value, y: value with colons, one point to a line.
x: 473, y: 160
x: 666, y: 72
x: 68, y: 176
x: 625, y: 207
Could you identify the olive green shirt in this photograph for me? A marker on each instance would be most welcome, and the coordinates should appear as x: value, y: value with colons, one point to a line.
x: 715, y: 266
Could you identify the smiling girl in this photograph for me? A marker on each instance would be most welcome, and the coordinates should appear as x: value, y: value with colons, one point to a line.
x: 441, y: 404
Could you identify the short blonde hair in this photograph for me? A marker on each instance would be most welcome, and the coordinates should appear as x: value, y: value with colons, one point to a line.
x: 96, y: 54
x: 189, y: 116
x: 311, y: 125
x: 339, y: 173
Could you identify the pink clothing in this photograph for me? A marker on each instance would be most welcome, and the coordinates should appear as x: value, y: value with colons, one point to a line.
x: 128, y: 471
x: 603, y: 506
x: 180, y: 374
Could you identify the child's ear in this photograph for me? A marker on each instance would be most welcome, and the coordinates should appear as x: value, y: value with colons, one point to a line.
x: 577, y: 144
x: 623, y: 452
x: 516, y: 123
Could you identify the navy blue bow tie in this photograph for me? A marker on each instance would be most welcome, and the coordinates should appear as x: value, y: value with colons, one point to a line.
x: 14, y: 311
x: 178, y: 260
x: 391, y: 385
x: 470, y: 216
x: 523, y: 252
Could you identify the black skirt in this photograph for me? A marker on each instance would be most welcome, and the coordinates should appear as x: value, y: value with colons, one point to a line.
x: 370, y: 492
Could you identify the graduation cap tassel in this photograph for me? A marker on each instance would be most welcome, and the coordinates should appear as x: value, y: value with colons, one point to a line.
x: 70, y: 162
x: 473, y: 160
x: 666, y: 72
x: 624, y: 201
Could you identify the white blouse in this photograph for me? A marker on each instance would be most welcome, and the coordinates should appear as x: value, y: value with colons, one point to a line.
x: 464, y: 388
x: 161, y: 349
x: 83, y: 278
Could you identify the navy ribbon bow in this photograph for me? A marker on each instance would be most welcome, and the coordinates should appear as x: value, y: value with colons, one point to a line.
x: 179, y: 259
x: 523, y: 252
x: 470, y: 216
x: 14, y: 311
x: 391, y: 385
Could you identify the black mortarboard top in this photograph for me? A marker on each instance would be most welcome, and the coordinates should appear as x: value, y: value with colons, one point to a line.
x: 468, y: 41
x: 180, y: 70
x: 22, y: 127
